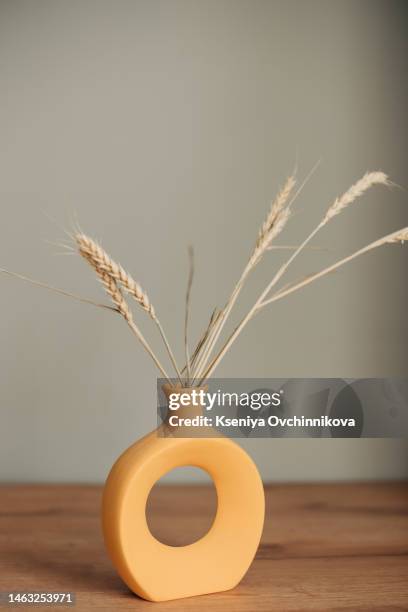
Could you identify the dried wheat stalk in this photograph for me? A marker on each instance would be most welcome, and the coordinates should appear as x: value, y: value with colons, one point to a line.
x: 293, y: 247
x: 187, y: 312
x: 275, y: 222
x: 355, y: 191
x: 273, y: 225
x: 102, y: 262
x: 115, y: 293
x: 400, y: 236
x: 339, y: 204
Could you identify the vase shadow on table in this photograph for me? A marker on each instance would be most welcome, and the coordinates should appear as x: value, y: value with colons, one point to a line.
x: 59, y: 546
x: 50, y: 569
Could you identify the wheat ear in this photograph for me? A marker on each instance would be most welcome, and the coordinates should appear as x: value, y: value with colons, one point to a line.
x: 398, y: 236
x: 97, y: 256
x: 275, y: 220
x: 101, y: 261
x: 368, y: 180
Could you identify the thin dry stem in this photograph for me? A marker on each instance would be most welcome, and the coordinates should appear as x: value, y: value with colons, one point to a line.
x: 56, y: 290
x: 187, y: 311
x: 114, y: 293
x: 293, y: 247
x: 203, y: 338
x: 400, y: 236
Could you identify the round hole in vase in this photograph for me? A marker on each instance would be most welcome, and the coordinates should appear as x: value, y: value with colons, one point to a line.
x: 196, y: 506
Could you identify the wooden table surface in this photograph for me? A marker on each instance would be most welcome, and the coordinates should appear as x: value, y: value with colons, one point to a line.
x: 324, y: 547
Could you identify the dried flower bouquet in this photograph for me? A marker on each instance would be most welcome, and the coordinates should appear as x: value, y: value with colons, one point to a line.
x: 205, y: 357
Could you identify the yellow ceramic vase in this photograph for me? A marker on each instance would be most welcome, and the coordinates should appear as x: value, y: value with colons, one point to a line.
x: 216, y: 562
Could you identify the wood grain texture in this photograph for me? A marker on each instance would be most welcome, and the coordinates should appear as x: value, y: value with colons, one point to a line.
x: 324, y: 547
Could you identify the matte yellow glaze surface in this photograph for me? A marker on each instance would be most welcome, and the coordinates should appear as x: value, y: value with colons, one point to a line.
x: 216, y: 562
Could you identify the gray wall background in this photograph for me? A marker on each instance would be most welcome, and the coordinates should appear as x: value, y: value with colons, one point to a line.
x: 167, y: 122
